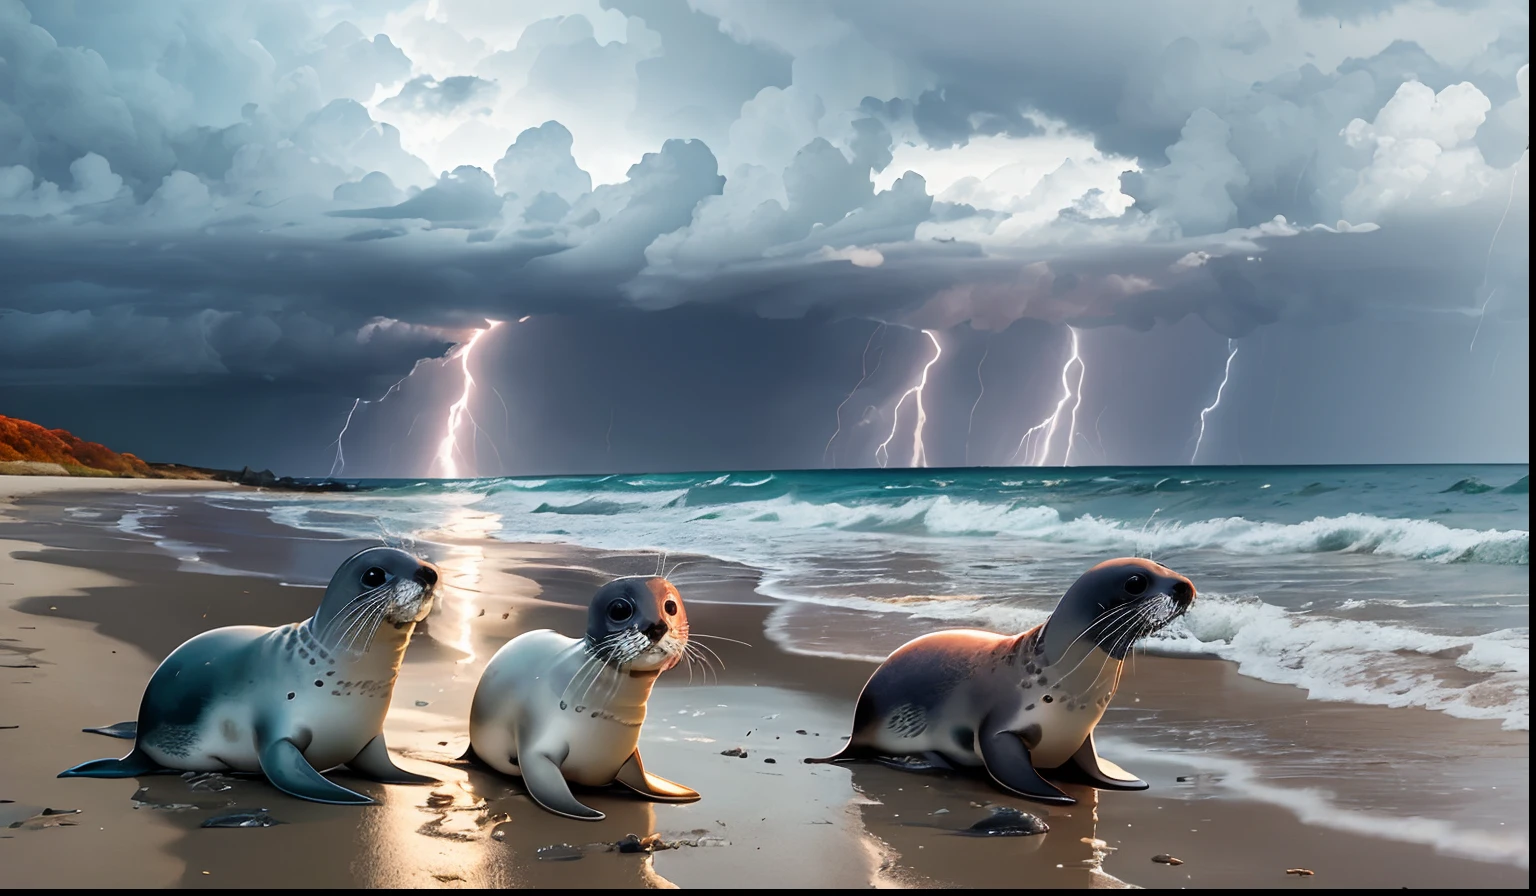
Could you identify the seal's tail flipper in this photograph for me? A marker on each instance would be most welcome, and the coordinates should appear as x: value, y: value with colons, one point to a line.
x: 849, y: 753
x: 131, y: 766
x: 125, y: 730
x: 1087, y: 767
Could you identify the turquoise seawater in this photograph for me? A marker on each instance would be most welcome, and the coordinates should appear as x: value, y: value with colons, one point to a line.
x: 1398, y: 586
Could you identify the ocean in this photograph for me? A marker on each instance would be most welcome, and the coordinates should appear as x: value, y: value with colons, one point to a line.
x: 1400, y: 586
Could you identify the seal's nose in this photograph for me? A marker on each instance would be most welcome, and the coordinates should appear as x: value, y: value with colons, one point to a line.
x: 1183, y: 592
x: 655, y: 631
x: 427, y: 576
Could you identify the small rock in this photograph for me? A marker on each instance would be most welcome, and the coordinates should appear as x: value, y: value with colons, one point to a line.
x: 1007, y: 821
x: 939, y: 812
x: 771, y: 761
x: 630, y: 843
x: 421, y: 703
x: 1165, y: 859
x: 560, y: 852
x: 1300, y: 872
x: 257, y: 819
x: 654, y: 843
x: 207, y: 782
x: 734, y: 751
x: 799, y: 730
x: 498, y: 835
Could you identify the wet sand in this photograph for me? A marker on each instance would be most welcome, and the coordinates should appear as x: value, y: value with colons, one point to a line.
x: 87, y: 611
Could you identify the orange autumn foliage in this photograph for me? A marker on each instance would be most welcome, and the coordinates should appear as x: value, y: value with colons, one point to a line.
x: 22, y: 440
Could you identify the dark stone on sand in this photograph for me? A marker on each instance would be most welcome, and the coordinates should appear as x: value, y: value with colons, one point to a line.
x: 770, y: 760
x: 1165, y: 859
x: 560, y: 852
x: 268, y: 479
x: 735, y: 751
x: 799, y: 730
x: 125, y: 730
x: 257, y: 819
x: 1006, y: 821
x: 630, y: 843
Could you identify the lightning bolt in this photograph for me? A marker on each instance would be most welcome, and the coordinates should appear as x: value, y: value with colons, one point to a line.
x: 983, y: 384
x: 448, y: 448
x: 1038, y: 453
x: 340, y: 463
x: 1225, y: 375
x: 919, y: 454
x: 865, y: 374
x: 1488, y: 259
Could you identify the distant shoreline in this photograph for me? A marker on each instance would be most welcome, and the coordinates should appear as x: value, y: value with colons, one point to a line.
x: 182, y: 472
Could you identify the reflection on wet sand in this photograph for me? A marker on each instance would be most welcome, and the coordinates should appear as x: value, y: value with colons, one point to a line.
x: 921, y: 818
x: 462, y: 534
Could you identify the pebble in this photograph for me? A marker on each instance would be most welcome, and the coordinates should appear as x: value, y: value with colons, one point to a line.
x: 1006, y: 821
x: 770, y: 760
x: 1300, y: 872
x: 735, y: 751
x: 1165, y: 859
x: 257, y: 819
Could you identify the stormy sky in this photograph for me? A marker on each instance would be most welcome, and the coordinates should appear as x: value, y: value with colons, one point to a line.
x: 714, y: 232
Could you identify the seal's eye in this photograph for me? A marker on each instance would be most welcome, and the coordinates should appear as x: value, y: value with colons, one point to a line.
x: 671, y: 607
x: 374, y: 577
x: 620, y: 610
x: 1135, y: 585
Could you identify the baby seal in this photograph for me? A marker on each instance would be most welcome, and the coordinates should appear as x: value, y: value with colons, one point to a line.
x: 553, y: 709
x: 289, y: 700
x: 1022, y: 704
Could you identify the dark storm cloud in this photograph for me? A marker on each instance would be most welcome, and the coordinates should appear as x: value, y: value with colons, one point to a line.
x: 197, y: 192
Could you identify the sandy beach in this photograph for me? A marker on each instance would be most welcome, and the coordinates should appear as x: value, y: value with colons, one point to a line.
x: 88, y: 610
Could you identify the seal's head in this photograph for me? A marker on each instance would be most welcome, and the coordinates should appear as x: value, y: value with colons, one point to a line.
x: 1114, y: 604
x: 639, y: 624
x: 375, y: 585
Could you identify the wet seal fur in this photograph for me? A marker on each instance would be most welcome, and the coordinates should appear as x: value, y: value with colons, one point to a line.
x: 1024, y: 704
x: 287, y: 701
x: 557, y: 711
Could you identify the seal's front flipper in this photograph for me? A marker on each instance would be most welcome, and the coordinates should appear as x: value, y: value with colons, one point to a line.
x: 125, y: 730
x: 547, y: 786
x: 1007, y: 761
x: 374, y: 762
x: 131, y: 766
x: 285, y: 766
x: 634, y: 776
x: 1087, y: 767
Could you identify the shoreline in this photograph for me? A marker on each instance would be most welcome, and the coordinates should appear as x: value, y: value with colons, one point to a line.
x: 787, y: 824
